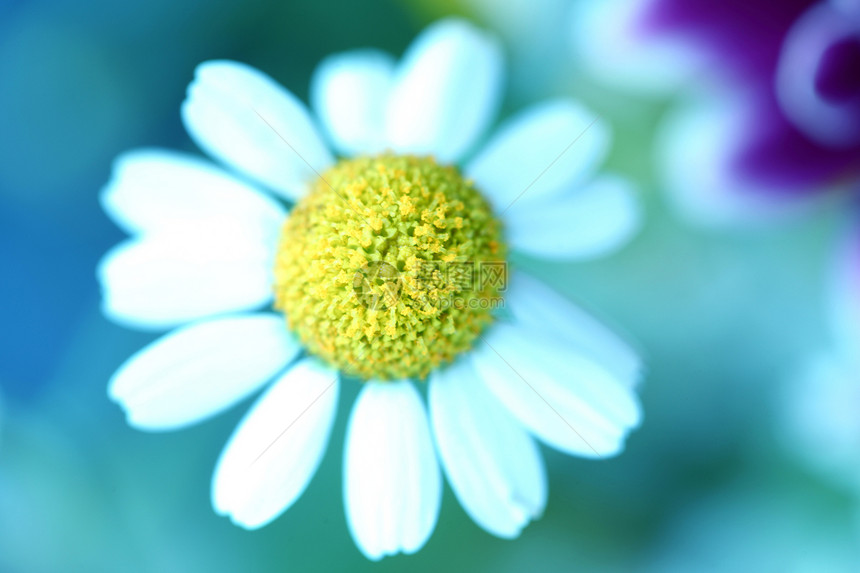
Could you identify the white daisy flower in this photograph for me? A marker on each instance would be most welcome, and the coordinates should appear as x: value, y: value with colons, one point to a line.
x: 212, y: 247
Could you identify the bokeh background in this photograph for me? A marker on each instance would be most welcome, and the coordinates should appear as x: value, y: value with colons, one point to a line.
x: 724, y: 317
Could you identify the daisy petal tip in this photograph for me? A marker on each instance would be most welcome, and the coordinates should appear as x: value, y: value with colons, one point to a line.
x: 218, y: 504
x: 140, y: 423
x: 639, y: 416
x: 607, y: 448
x: 464, y: 29
x: 112, y: 394
x: 620, y: 446
x: 392, y: 481
x: 249, y: 524
x: 107, y: 195
x: 512, y: 529
x: 140, y: 416
x: 111, y: 311
x: 403, y: 548
x: 372, y: 555
x: 522, y: 514
x: 276, y: 449
x: 349, y: 92
x: 446, y: 92
x: 494, y: 467
x: 205, y: 65
x: 213, y: 70
x: 185, y: 107
x: 126, y: 412
x: 245, y: 119
x: 570, y: 403
x: 511, y: 534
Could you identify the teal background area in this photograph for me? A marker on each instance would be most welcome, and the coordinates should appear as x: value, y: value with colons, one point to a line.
x: 722, y: 317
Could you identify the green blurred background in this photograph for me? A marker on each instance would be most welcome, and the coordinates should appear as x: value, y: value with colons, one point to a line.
x: 723, y: 318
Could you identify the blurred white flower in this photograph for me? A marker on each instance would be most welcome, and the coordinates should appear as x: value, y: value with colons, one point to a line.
x: 821, y: 413
x: 605, y: 36
x: 201, y: 258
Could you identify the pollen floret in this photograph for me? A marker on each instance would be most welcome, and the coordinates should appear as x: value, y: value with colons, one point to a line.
x: 378, y: 270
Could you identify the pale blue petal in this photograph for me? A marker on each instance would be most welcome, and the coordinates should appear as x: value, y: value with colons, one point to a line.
x: 391, y: 479
x: 492, y: 464
x: 154, y: 189
x: 534, y: 304
x: 447, y: 91
x: 541, y: 152
x: 592, y: 221
x: 199, y: 370
x: 349, y: 93
x: 566, y: 400
x: 171, y: 276
x: 245, y: 119
x: 277, y: 447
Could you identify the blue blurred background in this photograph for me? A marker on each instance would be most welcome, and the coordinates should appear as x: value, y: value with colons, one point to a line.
x: 723, y: 317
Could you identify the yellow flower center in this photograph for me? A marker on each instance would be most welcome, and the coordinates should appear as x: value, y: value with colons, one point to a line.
x: 390, y: 266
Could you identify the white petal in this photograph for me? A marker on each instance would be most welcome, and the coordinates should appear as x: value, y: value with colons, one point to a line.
x: 536, y: 305
x: 447, y: 91
x: 244, y: 118
x: 541, y: 152
x: 176, y: 275
x: 277, y: 447
x: 153, y: 189
x: 350, y: 95
x: 589, y: 222
x: 566, y: 400
x: 392, y: 485
x: 493, y: 465
x: 199, y: 370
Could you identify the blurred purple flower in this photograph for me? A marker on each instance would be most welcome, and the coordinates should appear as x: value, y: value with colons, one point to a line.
x: 798, y: 64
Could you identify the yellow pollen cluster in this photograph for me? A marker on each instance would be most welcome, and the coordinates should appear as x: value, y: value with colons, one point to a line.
x: 380, y: 269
